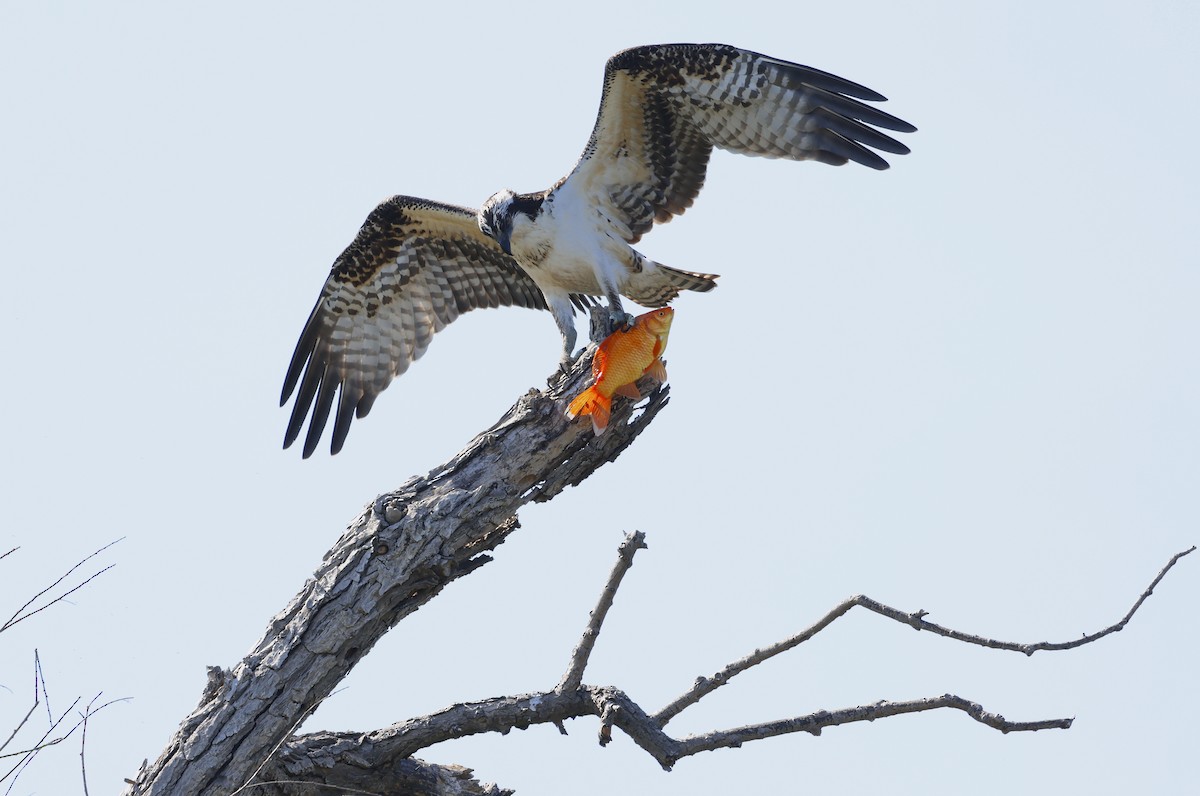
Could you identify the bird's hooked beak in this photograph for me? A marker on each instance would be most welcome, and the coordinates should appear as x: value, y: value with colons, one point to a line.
x: 504, y: 238
x: 490, y: 224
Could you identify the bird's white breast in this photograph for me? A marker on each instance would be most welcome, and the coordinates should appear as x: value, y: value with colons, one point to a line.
x: 569, y: 246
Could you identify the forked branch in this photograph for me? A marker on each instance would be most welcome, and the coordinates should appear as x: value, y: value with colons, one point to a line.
x: 30, y: 737
x: 706, y: 685
x: 615, y: 708
x: 55, y: 732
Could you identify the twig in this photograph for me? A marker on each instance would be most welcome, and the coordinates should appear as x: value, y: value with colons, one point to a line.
x: 42, y: 743
x: 17, y: 729
x: 574, y: 675
x: 706, y: 685
x: 83, y: 747
x: 37, y: 674
x: 27, y: 755
x: 40, y: 695
x: 88, y: 712
x: 39, y: 678
x: 21, y: 614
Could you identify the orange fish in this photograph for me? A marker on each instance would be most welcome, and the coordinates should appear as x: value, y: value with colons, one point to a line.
x: 624, y: 357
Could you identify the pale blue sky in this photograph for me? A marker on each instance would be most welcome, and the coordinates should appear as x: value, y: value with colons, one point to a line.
x: 968, y: 384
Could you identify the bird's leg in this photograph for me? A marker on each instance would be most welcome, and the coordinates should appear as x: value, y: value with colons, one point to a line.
x: 609, y: 269
x: 568, y: 354
x: 564, y: 317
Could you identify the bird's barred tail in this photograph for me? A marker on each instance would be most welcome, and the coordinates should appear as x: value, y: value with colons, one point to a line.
x: 659, y: 286
x: 592, y: 402
x: 689, y: 280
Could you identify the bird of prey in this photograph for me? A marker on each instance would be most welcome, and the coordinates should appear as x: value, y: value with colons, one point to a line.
x: 416, y: 265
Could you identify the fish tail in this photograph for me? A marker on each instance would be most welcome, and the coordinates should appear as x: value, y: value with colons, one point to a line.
x: 592, y: 402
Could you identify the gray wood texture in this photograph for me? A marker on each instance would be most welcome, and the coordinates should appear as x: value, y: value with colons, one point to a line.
x: 399, y: 552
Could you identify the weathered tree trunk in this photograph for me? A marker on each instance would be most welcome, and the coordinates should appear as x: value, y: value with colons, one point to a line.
x: 397, y: 555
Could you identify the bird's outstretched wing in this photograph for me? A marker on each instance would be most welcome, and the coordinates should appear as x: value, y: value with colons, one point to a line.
x: 665, y: 107
x: 414, y: 267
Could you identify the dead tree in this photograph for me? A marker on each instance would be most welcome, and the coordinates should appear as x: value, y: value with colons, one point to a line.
x: 397, y: 555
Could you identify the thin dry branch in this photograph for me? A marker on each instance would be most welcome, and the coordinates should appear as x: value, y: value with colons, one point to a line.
x: 37, y: 678
x: 24, y: 613
x: 48, y: 737
x: 40, y: 698
x: 41, y: 692
x: 644, y: 729
x: 706, y: 685
x: 45, y: 741
x: 89, y: 710
x: 574, y: 675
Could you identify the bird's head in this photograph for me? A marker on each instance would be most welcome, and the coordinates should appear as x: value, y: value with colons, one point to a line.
x: 501, y: 210
x: 495, y: 218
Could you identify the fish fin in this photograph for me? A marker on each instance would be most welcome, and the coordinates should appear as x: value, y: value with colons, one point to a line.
x: 592, y: 402
x: 581, y: 405
x: 657, y: 371
x: 599, y: 361
x: 629, y: 390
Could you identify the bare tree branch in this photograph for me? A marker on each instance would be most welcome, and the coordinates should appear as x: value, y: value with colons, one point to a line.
x: 615, y: 709
x: 41, y: 691
x: 37, y: 675
x: 321, y: 757
x: 24, y: 613
x: 574, y: 675
x: 48, y: 737
x: 91, y: 709
x: 706, y: 685
x: 16, y: 730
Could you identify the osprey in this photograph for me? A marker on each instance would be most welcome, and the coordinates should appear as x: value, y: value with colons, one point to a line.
x: 416, y: 265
